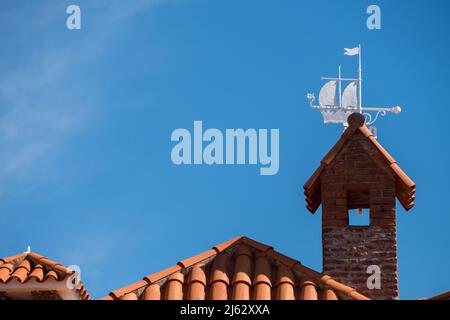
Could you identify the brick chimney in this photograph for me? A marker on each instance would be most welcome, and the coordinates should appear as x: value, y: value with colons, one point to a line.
x: 358, y: 175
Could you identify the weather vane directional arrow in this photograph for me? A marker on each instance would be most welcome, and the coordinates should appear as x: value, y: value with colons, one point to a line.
x: 350, y: 101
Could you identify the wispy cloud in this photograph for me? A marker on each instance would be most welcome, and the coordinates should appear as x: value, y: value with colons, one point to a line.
x: 39, y: 107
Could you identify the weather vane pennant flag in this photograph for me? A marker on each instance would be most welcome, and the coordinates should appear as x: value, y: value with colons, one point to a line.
x: 337, y: 109
x: 351, y: 52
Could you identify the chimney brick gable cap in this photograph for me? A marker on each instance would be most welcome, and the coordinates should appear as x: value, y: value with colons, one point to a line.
x: 405, y: 186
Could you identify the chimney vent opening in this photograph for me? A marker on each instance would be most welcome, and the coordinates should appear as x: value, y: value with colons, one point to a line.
x: 359, y: 217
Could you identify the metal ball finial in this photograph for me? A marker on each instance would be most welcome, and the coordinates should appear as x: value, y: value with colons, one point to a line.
x: 356, y: 120
x: 396, y: 110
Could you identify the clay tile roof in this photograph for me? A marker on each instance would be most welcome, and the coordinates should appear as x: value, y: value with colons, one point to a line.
x: 405, y: 187
x: 442, y: 296
x: 239, y: 269
x: 32, y: 268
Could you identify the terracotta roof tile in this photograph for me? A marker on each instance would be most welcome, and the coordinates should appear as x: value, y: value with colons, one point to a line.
x: 261, y: 281
x: 129, y: 296
x: 357, y: 296
x: 152, y: 292
x: 196, y: 259
x: 405, y: 187
x: 263, y: 270
x: 284, y: 275
x: 241, y: 269
x: 308, y: 290
x: 197, y: 274
x: 339, y: 287
x: 328, y: 294
x: 37, y: 273
x: 120, y: 292
x: 196, y: 284
x: 256, y: 244
x: 27, y: 267
x: 285, y: 283
x: 242, y: 273
x: 162, y: 274
x: 16, y: 257
x: 174, y: 286
x: 219, y: 269
x: 219, y: 279
x: 5, y: 271
x: 35, y: 255
x: 51, y: 275
x: 225, y: 245
x: 21, y: 272
x: 442, y: 296
x: 243, y: 265
x: 282, y: 258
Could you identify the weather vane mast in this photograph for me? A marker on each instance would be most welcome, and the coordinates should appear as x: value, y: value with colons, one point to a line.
x: 350, y: 101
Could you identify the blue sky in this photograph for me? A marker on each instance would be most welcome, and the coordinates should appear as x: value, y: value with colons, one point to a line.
x: 86, y: 116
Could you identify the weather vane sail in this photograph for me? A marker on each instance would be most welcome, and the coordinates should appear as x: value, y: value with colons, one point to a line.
x: 337, y: 109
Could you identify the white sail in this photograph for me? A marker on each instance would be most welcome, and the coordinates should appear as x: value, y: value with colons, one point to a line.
x: 327, y: 95
x: 340, y: 115
x: 349, y: 97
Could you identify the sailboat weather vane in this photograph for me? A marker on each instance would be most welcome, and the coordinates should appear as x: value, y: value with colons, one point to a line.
x: 348, y: 102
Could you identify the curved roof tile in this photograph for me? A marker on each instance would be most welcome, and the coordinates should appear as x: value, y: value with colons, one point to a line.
x: 25, y: 267
x: 240, y: 268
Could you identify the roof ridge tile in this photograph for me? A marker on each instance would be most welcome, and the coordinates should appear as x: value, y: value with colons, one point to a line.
x: 225, y: 245
x: 13, y: 258
x: 255, y: 244
x: 198, y: 258
x: 123, y: 291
